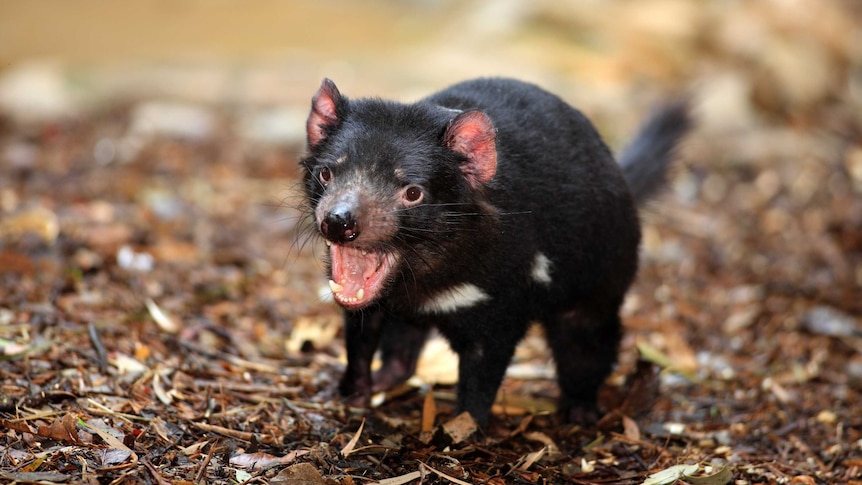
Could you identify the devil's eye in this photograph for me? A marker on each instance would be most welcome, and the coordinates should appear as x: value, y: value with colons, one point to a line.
x: 412, y: 194
x: 325, y: 175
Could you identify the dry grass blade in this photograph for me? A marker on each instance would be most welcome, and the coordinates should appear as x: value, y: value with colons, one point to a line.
x: 399, y: 480
x: 161, y: 318
x: 533, y: 458
x: 445, y: 476
x: 349, y: 447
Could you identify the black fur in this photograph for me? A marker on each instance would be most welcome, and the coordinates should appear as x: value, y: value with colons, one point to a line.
x: 555, y: 190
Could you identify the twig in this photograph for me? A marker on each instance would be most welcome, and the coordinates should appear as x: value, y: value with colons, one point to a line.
x: 99, y: 346
x: 154, y: 472
x: 200, y: 474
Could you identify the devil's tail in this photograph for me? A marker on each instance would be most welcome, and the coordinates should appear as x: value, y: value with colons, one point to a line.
x: 646, y: 160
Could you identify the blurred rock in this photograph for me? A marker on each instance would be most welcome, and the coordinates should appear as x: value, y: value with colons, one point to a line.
x: 799, y: 70
x: 172, y: 119
x: 278, y: 125
x: 104, y: 151
x: 20, y: 155
x: 854, y: 372
x: 741, y: 319
x: 725, y: 102
x: 853, y: 163
x: 38, y: 221
x: 165, y: 205
x: 823, y: 320
x: 715, y: 365
x: 36, y: 91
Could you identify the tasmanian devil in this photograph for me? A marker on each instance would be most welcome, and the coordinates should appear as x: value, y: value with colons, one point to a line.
x: 477, y: 210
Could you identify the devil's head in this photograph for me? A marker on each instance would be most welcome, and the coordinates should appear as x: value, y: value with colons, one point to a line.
x: 389, y: 184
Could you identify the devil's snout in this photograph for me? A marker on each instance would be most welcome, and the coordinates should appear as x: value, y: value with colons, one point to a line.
x: 339, y: 224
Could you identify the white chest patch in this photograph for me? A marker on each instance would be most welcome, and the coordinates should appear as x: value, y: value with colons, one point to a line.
x: 455, y: 298
x: 541, y: 270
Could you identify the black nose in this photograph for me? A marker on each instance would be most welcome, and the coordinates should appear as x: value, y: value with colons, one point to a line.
x: 339, y: 225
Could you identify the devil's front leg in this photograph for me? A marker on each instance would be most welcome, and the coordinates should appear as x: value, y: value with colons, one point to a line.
x: 485, y: 341
x: 362, y: 330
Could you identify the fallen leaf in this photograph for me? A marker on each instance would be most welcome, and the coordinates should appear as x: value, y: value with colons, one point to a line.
x: 671, y: 475
x: 630, y: 429
x: 456, y: 430
x: 158, y: 426
x: 299, y: 474
x: 663, y: 360
x: 114, y: 456
x: 255, y: 461
x: 64, y: 429
x: 36, y: 477
x: 17, y: 425
x: 689, y: 473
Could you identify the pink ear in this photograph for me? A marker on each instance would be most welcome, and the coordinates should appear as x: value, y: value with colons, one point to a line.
x: 472, y: 134
x: 323, y: 112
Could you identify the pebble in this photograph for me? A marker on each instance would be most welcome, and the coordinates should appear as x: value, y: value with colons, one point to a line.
x: 36, y: 91
x: 128, y: 258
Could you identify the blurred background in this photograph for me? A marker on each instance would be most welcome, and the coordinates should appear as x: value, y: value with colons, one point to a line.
x: 148, y: 175
x: 784, y: 58
x: 162, y: 135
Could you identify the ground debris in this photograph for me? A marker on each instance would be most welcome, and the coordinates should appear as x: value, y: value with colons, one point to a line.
x: 160, y: 309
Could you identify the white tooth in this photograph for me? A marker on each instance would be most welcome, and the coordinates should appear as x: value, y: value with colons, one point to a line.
x: 328, y: 242
x: 335, y: 287
x: 360, y: 294
x: 364, y: 252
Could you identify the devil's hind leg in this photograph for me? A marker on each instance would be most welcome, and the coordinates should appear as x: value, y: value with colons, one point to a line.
x: 400, y: 347
x: 585, y: 344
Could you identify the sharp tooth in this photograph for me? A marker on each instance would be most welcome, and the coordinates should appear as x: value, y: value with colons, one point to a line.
x: 364, y: 252
x: 360, y: 294
x: 328, y: 242
x: 335, y: 287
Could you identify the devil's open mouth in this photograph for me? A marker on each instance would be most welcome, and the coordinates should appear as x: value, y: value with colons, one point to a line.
x: 358, y: 275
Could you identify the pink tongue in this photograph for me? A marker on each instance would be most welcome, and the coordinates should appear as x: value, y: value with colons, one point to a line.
x: 350, y: 268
